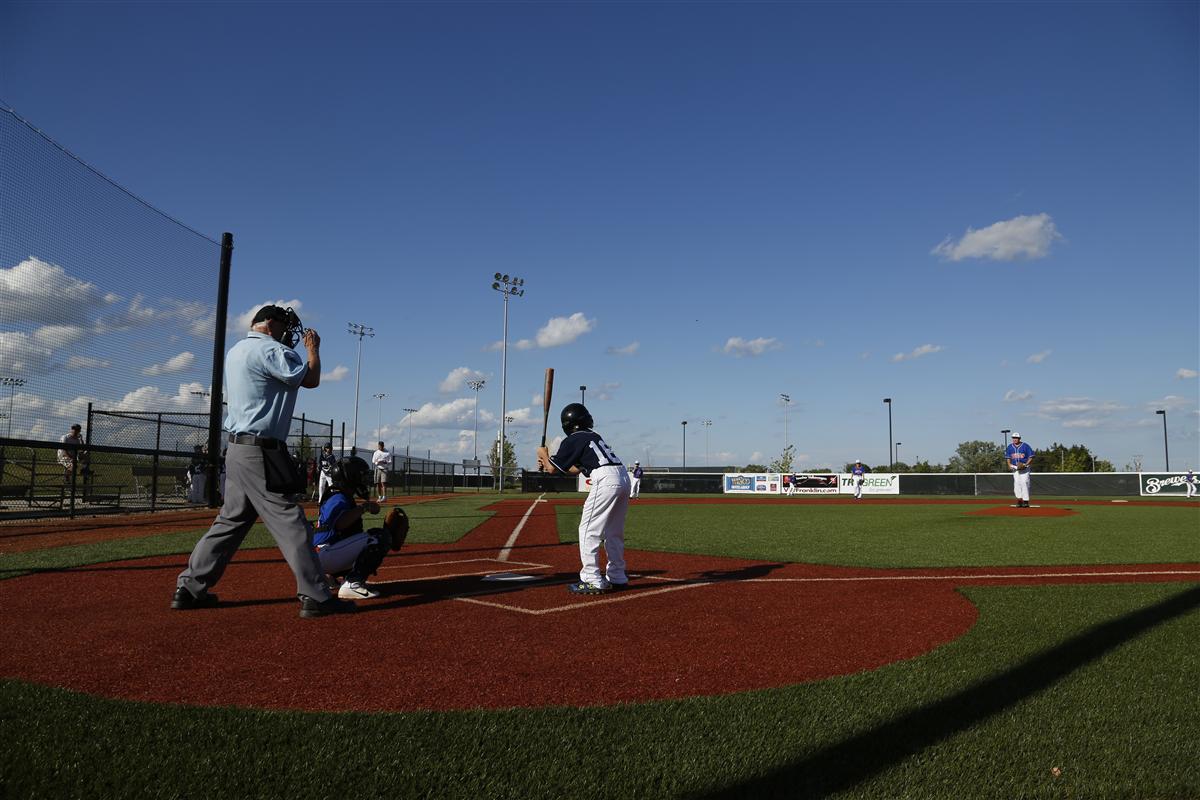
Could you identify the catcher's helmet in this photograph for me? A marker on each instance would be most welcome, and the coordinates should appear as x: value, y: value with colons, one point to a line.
x: 575, y: 417
x: 352, y: 475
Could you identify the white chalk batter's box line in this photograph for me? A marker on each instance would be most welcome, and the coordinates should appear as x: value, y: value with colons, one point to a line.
x: 507, y: 565
x: 694, y: 583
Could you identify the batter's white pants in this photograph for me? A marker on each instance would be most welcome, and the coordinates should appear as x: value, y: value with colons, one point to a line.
x: 635, y: 485
x: 1021, y: 484
x: 324, y: 483
x: 603, y: 523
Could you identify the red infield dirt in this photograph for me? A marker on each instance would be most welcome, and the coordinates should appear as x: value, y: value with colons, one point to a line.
x: 487, y: 623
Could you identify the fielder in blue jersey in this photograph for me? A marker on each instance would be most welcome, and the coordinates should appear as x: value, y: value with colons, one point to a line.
x: 1019, y: 457
x: 857, y: 476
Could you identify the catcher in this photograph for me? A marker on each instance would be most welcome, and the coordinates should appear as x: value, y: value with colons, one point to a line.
x: 343, y: 548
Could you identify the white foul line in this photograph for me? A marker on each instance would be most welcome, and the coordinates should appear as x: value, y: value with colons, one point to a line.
x: 512, y: 540
x: 618, y: 598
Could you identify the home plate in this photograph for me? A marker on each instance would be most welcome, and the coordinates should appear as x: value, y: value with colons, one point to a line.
x: 511, y: 576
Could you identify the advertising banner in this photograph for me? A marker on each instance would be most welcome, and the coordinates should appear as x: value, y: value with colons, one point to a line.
x: 873, y: 483
x: 1159, y: 484
x: 751, y: 483
x: 813, y: 484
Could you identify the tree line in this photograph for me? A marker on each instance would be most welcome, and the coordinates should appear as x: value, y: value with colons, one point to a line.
x: 973, y: 456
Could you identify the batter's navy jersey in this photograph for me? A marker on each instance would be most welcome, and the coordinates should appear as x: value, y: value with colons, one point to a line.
x: 586, y: 450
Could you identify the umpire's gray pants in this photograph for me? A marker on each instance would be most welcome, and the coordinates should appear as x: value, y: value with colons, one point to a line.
x: 246, y: 499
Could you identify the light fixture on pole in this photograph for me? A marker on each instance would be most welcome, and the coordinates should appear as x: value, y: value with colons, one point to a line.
x: 1166, y: 452
x: 379, y: 396
x: 359, y: 330
x: 583, y: 395
x: 707, y: 423
x: 891, y: 458
x: 898, y: 452
x: 509, y: 286
x: 407, y: 450
x: 12, y: 384
x: 787, y: 401
x: 684, y: 423
x: 476, y: 385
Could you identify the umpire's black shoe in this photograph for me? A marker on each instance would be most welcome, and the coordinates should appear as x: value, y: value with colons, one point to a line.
x: 310, y: 608
x: 186, y: 601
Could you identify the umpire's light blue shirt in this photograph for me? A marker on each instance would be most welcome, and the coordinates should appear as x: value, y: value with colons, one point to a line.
x: 262, y: 378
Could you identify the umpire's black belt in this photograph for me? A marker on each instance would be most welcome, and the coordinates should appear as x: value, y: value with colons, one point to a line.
x: 257, y: 441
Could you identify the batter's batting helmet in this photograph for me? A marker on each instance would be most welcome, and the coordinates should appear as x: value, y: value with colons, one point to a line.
x: 575, y: 417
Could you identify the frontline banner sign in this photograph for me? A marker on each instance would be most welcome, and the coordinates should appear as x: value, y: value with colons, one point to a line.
x: 813, y: 484
x: 873, y: 483
x: 1158, y: 484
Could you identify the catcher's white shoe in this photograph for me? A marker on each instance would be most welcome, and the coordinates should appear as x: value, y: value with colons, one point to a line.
x: 356, y: 591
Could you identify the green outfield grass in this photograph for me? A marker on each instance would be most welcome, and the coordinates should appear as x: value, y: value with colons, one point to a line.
x: 1096, y: 682
x: 937, y: 535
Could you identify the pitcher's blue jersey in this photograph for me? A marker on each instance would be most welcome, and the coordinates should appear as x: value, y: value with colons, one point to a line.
x: 1019, y: 455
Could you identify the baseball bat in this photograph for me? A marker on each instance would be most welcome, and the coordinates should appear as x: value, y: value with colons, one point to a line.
x: 547, y: 393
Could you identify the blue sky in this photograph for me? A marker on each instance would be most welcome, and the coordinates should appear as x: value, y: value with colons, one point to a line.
x: 987, y: 212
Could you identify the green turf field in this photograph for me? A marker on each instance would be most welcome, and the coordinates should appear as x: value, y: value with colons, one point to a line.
x: 1060, y: 691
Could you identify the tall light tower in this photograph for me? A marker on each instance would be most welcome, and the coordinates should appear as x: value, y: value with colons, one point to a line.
x: 707, y: 423
x: 684, y: 424
x: 891, y: 457
x: 476, y: 386
x: 1166, y: 452
x: 407, y: 450
x: 583, y: 395
x: 359, y: 330
x: 787, y: 401
x: 12, y: 384
x: 508, y: 286
x: 379, y: 396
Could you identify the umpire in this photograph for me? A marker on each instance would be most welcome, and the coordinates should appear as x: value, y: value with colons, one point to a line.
x: 263, y: 375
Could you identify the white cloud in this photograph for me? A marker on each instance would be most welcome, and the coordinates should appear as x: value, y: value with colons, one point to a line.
x: 564, y: 330
x: 150, y: 398
x: 241, y: 323
x: 59, y: 336
x: 1023, y: 237
x: 1038, y: 358
x: 923, y: 350
x: 455, y: 415
x: 1083, y: 422
x: 85, y: 362
x: 458, y: 378
x: 536, y: 402
x: 174, y: 364
x: 1171, y: 402
x: 336, y: 374
x: 1013, y: 396
x: 1185, y: 373
x: 1067, y: 406
x: 627, y: 350
x: 605, y: 392
x: 40, y: 292
x: 756, y: 457
x: 739, y: 347
x: 21, y: 355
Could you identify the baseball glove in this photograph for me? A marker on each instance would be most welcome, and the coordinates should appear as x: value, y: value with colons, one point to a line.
x: 396, y: 524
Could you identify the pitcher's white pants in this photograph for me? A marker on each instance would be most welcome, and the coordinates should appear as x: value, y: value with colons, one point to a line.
x: 1021, y: 484
x: 603, y: 523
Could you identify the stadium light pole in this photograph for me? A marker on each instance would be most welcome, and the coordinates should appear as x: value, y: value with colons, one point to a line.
x: 1166, y: 453
x: 684, y: 424
x: 583, y: 395
x: 359, y: 330
x: 408, y: 450
x: 379, y: 396
x: 476, y: 385
x: 707, y: 423
x: 508, y: 286
x: 12, y: 384
x: 787, y: 401
x: 891, y: 457
x: 898, y: 451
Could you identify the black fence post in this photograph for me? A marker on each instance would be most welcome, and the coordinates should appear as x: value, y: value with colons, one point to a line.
x: 218, y: 370
x: 154, y: 463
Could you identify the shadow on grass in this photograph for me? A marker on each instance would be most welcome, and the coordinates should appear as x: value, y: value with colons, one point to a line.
x: 840, y: 767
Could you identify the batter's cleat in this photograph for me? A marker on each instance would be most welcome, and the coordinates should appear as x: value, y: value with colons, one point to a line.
x: 585, y: 588
x: 618, y: 586
x: 186, y: 601
x: 310, y: 608
x: 356, y: 590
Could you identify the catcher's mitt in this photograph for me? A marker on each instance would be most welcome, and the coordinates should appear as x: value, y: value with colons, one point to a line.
x: 396, y: 524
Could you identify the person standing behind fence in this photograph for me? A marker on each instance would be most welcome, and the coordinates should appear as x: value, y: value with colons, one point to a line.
x: 263, y: 375
x: 325, y: 466
x: 382, y: 460
x: 635, y: 479
x: 67, y: 455
x: 1019, y: 457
